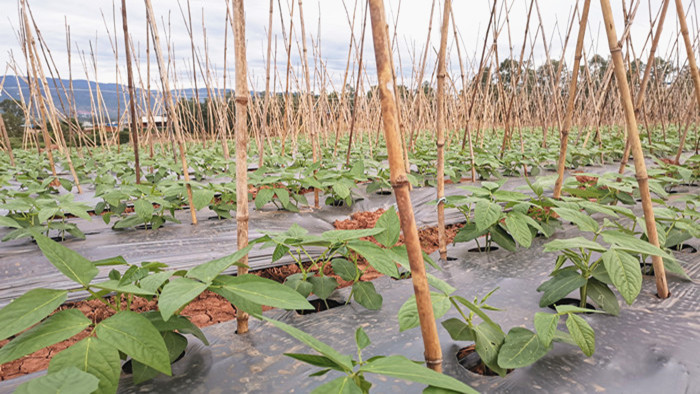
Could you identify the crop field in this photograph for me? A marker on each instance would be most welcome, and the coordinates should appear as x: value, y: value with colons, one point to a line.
x: 510, y: 204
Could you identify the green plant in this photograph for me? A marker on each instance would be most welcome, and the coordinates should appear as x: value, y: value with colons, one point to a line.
x: 504, y: 225
x: 355, y: 370
x: 43, y: 214
x: 153, y: 339
x: 594, y: 267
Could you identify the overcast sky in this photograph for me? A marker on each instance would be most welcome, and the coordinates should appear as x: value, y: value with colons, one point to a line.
x: 91, y: 25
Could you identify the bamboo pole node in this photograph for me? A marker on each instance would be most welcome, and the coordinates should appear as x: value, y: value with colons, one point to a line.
x: 241, y: 100
x: 401, y: 182
x: 434, y: 362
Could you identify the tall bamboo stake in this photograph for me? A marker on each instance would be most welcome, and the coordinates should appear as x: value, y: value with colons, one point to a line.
x: 132, y: 95
x: 564, y: 134
x: 442, y: 70
x: 242, y: 98
x: 693, y: 66
x: 633, y: 133
x: 433, y: 352
x: 170, y: 106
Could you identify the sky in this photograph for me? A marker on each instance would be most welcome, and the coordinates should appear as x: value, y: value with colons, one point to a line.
x: 92, y: 35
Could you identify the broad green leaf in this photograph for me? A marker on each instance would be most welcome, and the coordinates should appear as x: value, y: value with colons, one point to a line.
x: 564, y: 309
x: 408, y: 313
x: 323, y: 286
x: 116, y: 260
x: 440, y: 284
x: 366, y: 295
x: 29, y: 309
x: 563, y: 283
x: 361, y: 338
x: 489, y: 339
x: 582, y: 220
x: 630, y: 243
x: 76, y: 267
x: 502, y: 238
x: 582, y: 333
x: 402, y: 368
x: 263, y: 197
x: 279, y: 252
x: 521, y: 348
x: 546, y: 326
x: 389, y: 221
x: 315, y: 360
x: 70, y: 380
x: 178, y: 293
x: 176, y: 344
x: 95, y: 357
x: 144, y: 209
x: 180, y: 323
x: 154, y: 281
x: 478, y: 311
x: 625, y: 273
x: 671, y: 265
x: 458, y: 330
x: 134, y: 335
x: 341, y: 385
x: 283, y: 196
x: 376, y: 257
x: 519, y: 229
x: 201, y: 198
x: 299, y: 285
x: 603, y: 297
x: 345, y: 269
x: 469, y: 232
x: 341, y: 360
x: 338, y: 236
x: 263, y: 291
x: 573, y: 243
x: 341, y: 190
x: 9, y: 222
x: 206, y: 272
x: 486, y: 213
x: 56, y: 328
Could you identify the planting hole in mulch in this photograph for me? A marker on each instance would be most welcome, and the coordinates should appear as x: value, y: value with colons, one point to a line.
x: 320, y: 306
x: 685, y: 248
x: 470, y: 359
x: 482, y: 249
x: 572, y: 302
x: 403, y: 274
x: 384, y: 192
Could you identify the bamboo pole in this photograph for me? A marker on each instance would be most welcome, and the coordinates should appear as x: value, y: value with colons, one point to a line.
x: 170, y: 107
x: 242, y: 98
x: 693, y: 67
x: 6, y: 140
x: 564, y: 134
x: 633, y: 135
x: 442, y: 70
x: 132, y: 95
x: 639, y: 102
x: 357, y: 90
x: 433, y: 352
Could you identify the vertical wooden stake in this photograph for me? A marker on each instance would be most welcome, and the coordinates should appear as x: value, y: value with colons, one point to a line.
x: 132, y: 95
x: 442, y: 239
x: 564, y: 137
x: 242, y: 97
x: 636, y: 146
x: 431, y: 342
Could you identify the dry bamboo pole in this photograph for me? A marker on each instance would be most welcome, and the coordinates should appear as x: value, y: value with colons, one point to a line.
x: 34, y: 89
x: 132, y: 95
x: 6, y: 141
x: 633, y: 133
x: 353, y: 119
x: 639, y: 102
x: 266, y: 104
x: 417, y: 100
x: 433, y: 352
x: 309, y: 98
x: 242, y: 98
x: 440, y: 143
x: 170, y: 107
x: 564, y: 133
x: 693, y: 67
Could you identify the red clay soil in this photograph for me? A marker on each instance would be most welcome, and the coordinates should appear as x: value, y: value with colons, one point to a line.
x: 210, y: 308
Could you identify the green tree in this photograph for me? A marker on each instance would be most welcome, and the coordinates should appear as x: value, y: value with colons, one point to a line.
x: 13, y: 115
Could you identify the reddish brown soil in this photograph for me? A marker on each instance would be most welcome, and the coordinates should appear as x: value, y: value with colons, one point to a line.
x: 210, y: 308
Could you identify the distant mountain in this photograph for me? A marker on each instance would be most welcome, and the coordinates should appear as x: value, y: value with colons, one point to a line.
x: 85, y: 93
